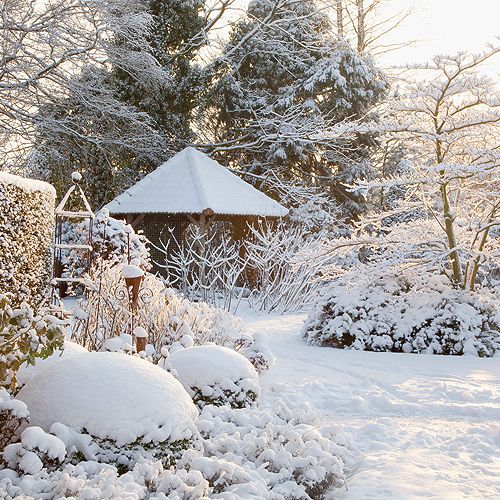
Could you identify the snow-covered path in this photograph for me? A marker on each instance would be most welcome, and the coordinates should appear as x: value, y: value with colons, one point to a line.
x: 421, y: 426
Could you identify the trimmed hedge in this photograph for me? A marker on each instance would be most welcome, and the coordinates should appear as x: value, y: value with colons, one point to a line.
x: 26, y: 229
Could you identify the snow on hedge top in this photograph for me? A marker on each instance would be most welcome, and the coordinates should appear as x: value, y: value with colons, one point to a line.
x: 27, y: 184
x: 191, y: 182
x: 211, y: 364
x: 111, y: 395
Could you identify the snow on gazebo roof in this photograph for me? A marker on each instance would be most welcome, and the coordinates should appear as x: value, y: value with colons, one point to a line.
x: 191, y: 182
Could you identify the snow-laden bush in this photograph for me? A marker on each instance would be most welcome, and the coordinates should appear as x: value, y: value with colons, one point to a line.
x: 407, y: 313
x: 272, y: 268
x: 129, y: 406
x: 216, y: 375
x: 285, y: 275
x: 13, y: 415
x: 166, y: 316
x: 206, y: 265
x: 26, y: 229
x: 112, y: 240
x: 268, y: 453
x: 36, y: 451
x: 24, y: 336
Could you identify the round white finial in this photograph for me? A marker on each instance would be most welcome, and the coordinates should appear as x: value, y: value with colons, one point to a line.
x: 76, y: 177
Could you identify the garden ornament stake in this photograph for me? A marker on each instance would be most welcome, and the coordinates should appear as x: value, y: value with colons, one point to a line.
x: 133, y: 276
x: 137, y: 295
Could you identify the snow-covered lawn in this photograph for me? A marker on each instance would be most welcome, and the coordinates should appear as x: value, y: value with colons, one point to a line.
x: 420, y: 425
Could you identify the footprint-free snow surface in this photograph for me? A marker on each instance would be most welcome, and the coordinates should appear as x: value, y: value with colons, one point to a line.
x: 421, y: 426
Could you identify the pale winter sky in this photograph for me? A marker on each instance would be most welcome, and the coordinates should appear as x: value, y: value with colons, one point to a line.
x: 446, y: 27
x: 442, y: 27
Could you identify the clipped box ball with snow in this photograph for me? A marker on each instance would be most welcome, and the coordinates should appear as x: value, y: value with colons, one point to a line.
x: 129, y: 406
x: 216, y: 375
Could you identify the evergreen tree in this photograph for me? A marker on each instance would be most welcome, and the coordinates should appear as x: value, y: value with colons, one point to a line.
x: 283, y: 80
x: 90, y: 131
x: 175, y: 36
x: 118, y: 120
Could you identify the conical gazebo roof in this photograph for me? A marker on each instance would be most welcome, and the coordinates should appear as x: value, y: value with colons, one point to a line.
x: 192, y: 183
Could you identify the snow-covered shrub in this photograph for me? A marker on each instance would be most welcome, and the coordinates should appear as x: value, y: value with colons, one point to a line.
x: 13, y: 415
x: 272, y: 268
x: 285, y: 276
x: 129, y: 406
x: 255, y: 349
x: 199, y: 323
x: 407, y: 313
x: 26, y: 229
x: 166, y: 316
x: 204, y: 322
x: 268, y: 453
x: 207, y: 265
x: 24, y: 336
x: 112, y: 240
x: 216, y: 375
x: 36, y: 451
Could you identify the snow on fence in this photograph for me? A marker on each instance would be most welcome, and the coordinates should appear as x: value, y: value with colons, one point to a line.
x: 26, y: 228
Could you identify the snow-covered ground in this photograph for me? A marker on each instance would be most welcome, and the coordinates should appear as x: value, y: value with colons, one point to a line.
x: 421, y: 426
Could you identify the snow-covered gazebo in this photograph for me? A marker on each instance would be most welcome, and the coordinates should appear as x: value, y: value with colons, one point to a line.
x: 192, y: 188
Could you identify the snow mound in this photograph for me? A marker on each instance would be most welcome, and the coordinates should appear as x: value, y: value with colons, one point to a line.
x: 199, y: 365
x: 111, y: 396
x: 27, y: 372
x: 216, y: 375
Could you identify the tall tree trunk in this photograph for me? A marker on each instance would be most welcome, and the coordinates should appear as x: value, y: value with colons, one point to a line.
x: 340, y: 17
x: 361, y: 25
x: 450, y: 235
x: 448, y: 215
x: 472, y: 268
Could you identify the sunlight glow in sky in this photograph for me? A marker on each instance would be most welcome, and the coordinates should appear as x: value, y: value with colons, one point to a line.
x: 445, y: 27
x: 440, y: 27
